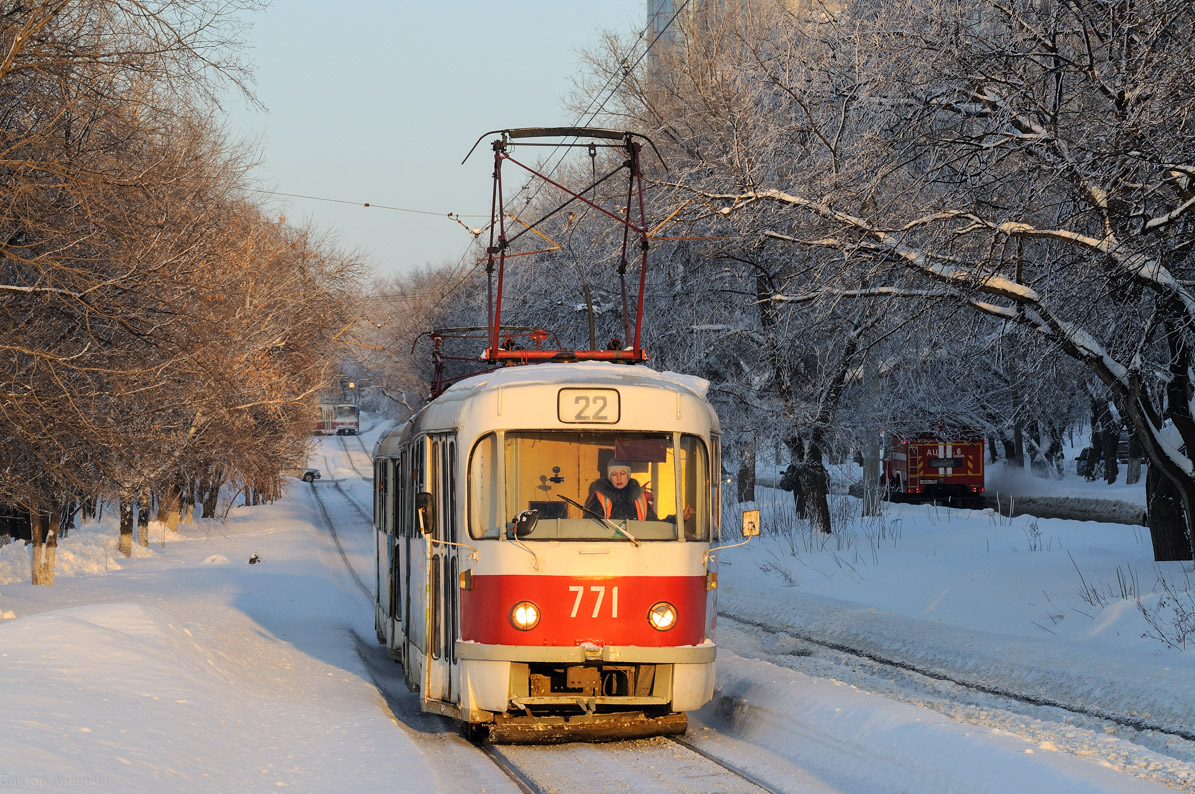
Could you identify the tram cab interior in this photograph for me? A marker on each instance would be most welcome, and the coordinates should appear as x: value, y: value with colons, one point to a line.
x: 554, y: 475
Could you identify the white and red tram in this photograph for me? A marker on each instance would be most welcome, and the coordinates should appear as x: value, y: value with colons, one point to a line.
x: 342, y: 419
x: 514, y: 609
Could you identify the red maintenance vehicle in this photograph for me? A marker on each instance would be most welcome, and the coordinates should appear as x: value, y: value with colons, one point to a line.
x: 946, y: 468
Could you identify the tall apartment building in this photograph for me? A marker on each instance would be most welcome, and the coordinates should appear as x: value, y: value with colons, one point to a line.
x: 659, y: 14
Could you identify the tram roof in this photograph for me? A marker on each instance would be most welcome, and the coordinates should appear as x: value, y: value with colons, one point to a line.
x: 594, y: 373
x: 445, y: 410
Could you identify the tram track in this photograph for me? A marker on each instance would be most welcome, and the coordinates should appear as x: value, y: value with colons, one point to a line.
x: 348, y: 498
x: 331, y: 525
x: 361, y: 442
x: 348, y: 454
x: 662, y: 764
x: 724, y: 764
x: 1158, y: 752
x: 881, y: 661
x: 516, y: 776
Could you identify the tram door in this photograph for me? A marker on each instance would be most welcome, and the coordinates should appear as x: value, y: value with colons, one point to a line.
x: 384, y: 548
x: 442, y: 589
x: 711, y: 596
x: 398, y: 573
x: 451, y: 589
x: 413, y: 564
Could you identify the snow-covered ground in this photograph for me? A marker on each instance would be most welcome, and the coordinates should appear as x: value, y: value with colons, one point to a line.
x: 185, y: 668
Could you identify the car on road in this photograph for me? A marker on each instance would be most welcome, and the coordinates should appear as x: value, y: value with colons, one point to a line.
x: 303, y: 473
x: 1083, y: 460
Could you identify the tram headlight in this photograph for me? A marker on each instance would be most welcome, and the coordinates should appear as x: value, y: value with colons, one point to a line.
x: 524, y: 616
x: 662, y: 616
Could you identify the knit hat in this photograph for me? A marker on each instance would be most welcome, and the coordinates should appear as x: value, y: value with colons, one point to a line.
x: 617, y: 465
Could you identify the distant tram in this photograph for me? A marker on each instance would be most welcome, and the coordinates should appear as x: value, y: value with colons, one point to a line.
x: 338, y: 420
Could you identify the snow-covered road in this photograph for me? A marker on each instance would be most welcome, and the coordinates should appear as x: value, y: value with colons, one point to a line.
x: 185, y: 668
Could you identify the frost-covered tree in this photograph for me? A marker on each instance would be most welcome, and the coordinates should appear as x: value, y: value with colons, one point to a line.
x: 1029, y: 161
x: 139, y: 314
x: 389, y: 342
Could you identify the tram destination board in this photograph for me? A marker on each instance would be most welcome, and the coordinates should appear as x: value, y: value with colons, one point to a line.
x: 576, y: 406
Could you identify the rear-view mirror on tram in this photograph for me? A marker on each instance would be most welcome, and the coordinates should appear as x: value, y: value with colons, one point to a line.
x: 523, y: 525
x: 750, y: 530
x: 426, y: 514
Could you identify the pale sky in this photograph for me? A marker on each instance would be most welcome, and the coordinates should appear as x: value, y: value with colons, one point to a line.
x: 378, y: 102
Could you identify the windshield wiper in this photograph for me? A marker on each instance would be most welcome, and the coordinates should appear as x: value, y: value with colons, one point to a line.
x: 619, y: 530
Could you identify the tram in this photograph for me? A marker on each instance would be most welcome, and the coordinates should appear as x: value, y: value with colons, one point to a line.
x: 511, y: 606
x: 546, y: 530
x: 339, y: 419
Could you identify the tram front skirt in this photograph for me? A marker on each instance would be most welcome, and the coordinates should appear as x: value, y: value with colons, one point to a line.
x: 524, y: 729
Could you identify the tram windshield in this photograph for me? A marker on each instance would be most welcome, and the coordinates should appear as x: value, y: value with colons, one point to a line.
x: 590, y: 486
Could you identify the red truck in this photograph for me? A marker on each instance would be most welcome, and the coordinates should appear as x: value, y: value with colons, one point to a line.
x: 939, y: 468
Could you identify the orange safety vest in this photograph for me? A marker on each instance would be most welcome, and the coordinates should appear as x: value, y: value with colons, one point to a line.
x: 608, y: 505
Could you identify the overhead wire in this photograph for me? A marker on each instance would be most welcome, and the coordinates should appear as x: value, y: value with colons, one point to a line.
x: 625, y: 73
x: 622, y: 73
x: 368, y: 204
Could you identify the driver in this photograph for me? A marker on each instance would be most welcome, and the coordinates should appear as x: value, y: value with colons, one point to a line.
x: 619, y: 495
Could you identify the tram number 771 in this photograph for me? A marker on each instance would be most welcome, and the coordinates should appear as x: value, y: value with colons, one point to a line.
x: 597, y: 604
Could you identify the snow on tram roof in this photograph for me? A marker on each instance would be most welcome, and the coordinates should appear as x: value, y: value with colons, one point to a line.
x: 444, y: 411
x: 587, y: 372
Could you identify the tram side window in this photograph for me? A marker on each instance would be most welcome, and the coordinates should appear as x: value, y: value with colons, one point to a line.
x: 393, y: 511
x: 484, y: 519
x: 379, y: 494
x: 405, y: 487
x: 716, y: 489
x: 695, y: 506
x: 433, y: 485
x: 450, y: 512
x: 400, y: 492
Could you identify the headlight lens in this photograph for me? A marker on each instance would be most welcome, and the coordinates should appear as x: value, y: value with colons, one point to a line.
x: 662, y: 616
x: 524, y: 616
